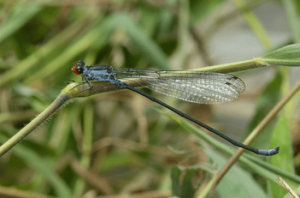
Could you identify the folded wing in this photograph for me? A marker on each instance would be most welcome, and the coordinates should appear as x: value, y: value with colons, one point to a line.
x: 202, y: 88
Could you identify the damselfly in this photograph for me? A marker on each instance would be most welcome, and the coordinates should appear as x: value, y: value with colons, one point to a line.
x: 202, y: 88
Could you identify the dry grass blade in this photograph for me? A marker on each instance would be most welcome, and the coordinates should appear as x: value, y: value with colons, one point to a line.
x: 286, y: 186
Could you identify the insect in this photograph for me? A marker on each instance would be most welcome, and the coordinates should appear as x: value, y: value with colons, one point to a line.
x: 201, y: 87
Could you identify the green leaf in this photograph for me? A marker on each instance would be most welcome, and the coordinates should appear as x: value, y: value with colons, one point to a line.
x: 265, y: 103
x: 284, y: 160
x: 287, y: 52
x: 285, y: 56
x: 175, y: 176
x: 187, y: 189
x: 237, y: 182
x: 183, y: 187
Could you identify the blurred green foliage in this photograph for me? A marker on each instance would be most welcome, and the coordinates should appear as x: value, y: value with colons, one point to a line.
x: 116, y: 143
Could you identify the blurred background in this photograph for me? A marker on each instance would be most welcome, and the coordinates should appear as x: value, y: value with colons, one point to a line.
x: 122, y: 144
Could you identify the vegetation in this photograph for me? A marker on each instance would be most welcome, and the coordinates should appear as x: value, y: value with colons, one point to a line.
x: 118, y: 144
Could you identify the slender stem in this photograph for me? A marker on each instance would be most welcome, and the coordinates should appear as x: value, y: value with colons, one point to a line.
x: 233, y: 67
x: 254, y: 24
x: 86, y: 147
x: 60, y: 100
x: 292, y: 15
x: 287, y: 187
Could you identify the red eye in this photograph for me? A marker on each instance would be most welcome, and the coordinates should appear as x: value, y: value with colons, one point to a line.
x: 74, y: 69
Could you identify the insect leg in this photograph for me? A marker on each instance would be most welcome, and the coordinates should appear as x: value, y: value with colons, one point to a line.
x: 85, y: 79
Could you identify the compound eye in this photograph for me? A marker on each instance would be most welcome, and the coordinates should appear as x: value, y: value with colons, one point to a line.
x: 80, y: 63
x: 79, y: 69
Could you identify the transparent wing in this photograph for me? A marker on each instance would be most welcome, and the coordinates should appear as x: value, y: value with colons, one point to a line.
x: 202, y: 88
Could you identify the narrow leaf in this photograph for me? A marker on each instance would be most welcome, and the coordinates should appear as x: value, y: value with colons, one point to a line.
x: 284, y: 160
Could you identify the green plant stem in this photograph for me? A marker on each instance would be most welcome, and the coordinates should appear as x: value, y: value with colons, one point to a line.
x: 233, y: 67
x: 34, y: 123
x: 86, y: 147
x: 72, y: 91
x: 292, y: 15
x: 254, y: 24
